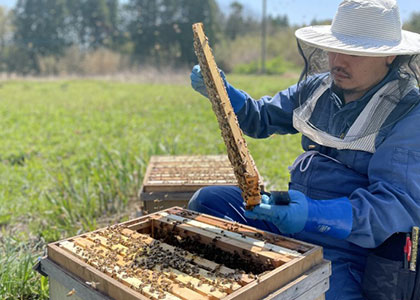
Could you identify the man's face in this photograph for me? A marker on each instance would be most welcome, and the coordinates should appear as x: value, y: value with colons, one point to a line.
x: 355, y: 75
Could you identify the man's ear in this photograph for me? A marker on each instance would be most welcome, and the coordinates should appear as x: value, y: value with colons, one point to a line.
x: 390, y: 59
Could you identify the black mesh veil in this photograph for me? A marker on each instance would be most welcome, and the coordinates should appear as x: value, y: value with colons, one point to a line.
x: 384, y: 108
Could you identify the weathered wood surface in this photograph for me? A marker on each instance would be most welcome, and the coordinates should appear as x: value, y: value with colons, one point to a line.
x: 126, y: 262
x: 242, y: 229
x: 271, y: 281
x: 171, y: 180
x: 244, y: 167
x: 88, y: 273
x: 111, y: 252
x: 311, y: 284
x: 286, y: 254
x: 153, y: 203
x: 62, y: 283
x: 159, y: 197
x: 182, y: 173
x: 226, y: 244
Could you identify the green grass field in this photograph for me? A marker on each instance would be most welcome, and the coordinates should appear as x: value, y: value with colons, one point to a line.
x: 73, y: 154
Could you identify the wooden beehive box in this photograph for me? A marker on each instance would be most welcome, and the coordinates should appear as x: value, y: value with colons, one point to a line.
x: 180, y: 254
x: 172, y: 180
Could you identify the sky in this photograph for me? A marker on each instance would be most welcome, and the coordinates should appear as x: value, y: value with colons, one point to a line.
x: 298, y: 11
x: 304, y: 11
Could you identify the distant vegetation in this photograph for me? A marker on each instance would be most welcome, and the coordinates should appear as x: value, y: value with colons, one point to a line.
x: 50, y: 37
x: 55, y: 37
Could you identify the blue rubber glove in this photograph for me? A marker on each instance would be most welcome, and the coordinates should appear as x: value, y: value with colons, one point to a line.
x: 237, y: 97
x: 332, y: 217
x: 197, y: 81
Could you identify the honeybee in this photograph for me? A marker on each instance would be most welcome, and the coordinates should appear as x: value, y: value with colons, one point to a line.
x: 92, y: 283
x: 71, y: 293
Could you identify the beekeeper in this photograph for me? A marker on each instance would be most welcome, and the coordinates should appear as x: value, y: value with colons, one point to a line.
x: 355, y: 190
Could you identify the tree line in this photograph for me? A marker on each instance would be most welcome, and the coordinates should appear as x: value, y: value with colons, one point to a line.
x: 154, y: 32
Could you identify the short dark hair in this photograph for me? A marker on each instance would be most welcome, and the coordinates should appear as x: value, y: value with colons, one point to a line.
x: 407, y: 66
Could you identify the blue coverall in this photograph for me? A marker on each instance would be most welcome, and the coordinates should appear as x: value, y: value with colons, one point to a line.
x: 383, y: 187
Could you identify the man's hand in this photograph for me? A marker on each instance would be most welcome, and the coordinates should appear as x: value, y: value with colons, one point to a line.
x: 197, y: 81
x: 237, y: 97
x: 289, y: 218
x: 332, y: 217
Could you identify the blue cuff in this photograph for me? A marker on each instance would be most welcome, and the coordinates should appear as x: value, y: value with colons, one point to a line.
x: 330, y: 217
x: 237, y: 97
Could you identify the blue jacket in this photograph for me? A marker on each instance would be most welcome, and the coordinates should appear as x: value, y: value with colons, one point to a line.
x: 383, y: 187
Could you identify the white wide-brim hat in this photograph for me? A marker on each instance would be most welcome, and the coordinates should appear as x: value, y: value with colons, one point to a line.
x: 364, y: 28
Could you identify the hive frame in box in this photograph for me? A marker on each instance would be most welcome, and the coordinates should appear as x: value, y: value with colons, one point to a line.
x: 300, y: 271
x: 172, y: 180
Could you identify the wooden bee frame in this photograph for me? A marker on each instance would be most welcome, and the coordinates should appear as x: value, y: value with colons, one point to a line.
x: 244, y: 167
x: 126, y: 261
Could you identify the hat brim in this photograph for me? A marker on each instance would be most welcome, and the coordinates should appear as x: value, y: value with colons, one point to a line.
x: 322, y: 37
